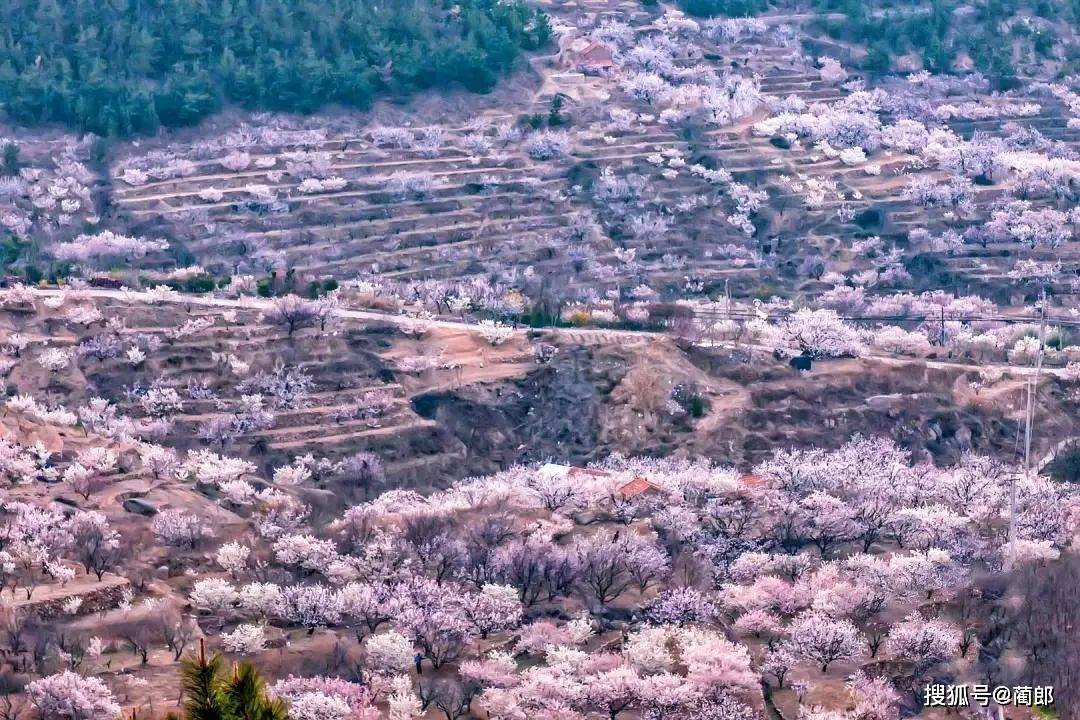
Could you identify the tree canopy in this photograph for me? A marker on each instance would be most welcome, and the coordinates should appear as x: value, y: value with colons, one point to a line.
x: 130, y: 66
x: 996, y: 34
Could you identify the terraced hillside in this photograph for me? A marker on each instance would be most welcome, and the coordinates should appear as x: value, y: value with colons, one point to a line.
x: 429, y: 407
x: 709, y: 150
x: 699, y: 368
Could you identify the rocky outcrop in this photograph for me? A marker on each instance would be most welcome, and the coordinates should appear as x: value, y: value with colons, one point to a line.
x: 590, y: 401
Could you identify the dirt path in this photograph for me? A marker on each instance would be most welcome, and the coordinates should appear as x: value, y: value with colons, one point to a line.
x: 581, y: 335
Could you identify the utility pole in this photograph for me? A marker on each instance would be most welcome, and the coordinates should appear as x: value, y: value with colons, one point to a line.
x: 1034, y: 384
x: 1032, y: 387
x: 727, y: 309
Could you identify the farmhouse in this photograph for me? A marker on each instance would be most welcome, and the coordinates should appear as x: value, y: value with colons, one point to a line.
x: 641, y: 487
x: 587, y: 56
x: 568, y: 471
x: 637, y: 487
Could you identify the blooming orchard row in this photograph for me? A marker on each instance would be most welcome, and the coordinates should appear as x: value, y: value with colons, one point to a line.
x: 820, y: 559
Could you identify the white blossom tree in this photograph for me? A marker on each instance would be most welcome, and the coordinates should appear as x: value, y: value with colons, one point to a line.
x: 69, y: 696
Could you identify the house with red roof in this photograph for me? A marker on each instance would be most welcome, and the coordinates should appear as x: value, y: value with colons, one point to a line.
x: 589, y: 57
x: 595, y: 58
x: 639, y: 487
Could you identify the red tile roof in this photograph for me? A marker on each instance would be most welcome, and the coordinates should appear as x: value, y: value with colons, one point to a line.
x: 596, y: 54
x: 751, y: 480
x: 638, y: 486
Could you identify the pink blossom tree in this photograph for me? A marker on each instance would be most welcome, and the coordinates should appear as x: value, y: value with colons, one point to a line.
x: 613, y: 691
x: 95, y: 544
x: 818, y: 333
x: 293, y: 312
x: 875, y: 697
x: 179, y: 529
x: 494, y: 609
x: 389, y: 652
x: 680, y: 606
x: 105, y: 246
x: 923, y: 642
x: 324, y: 698
x: 824, y: 640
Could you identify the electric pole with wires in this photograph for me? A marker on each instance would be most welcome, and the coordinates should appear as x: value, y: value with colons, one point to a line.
x: 1029, y: 415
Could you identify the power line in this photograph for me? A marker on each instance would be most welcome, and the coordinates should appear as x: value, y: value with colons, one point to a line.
x: 1034, y: 386
x: 1007, y: 319
x: 1029, y: 420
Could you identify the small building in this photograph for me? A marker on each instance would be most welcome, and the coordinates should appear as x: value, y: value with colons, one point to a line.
x: 586, y: 56
x: 568, y: 471
x: 554, y: 470
x: 641, y: 487
x: 751, y: 481
x: 595, y: 59
x: 588, y: 472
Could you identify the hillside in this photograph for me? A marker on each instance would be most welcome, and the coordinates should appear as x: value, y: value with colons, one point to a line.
x: 201, y: 459
x: 444, y: 400
x: 539, y: 360
x: 713, y: 158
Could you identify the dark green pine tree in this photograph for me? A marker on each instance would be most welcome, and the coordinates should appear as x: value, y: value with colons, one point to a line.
x: 212, y: 696
x: 129, y: 66
x: 202, y: 687
x: 246, y: 697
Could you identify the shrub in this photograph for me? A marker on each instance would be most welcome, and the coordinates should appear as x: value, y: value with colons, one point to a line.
x: 728, y: 8
x: 546, y: 145
x: 1066, y: 466
x: 200, y: 284
x: 10, y: 164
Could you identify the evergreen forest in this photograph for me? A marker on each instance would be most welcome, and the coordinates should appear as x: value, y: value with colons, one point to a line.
x: 121, y: 67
